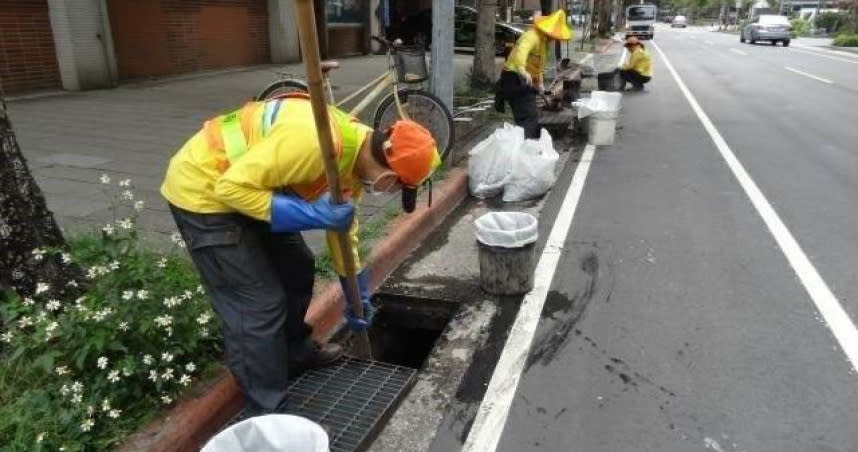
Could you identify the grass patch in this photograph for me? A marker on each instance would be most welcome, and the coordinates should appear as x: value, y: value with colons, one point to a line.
x: 844, y: 40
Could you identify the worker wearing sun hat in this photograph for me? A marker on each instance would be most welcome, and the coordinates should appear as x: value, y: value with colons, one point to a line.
x: 243, y: 189
x: 521, y: 78
x: 638, y: 69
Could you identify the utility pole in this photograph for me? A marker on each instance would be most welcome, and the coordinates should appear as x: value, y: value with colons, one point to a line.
x: 442, y: 70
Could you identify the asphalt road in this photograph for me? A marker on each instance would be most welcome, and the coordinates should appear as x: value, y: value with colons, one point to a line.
x: 675, y: 320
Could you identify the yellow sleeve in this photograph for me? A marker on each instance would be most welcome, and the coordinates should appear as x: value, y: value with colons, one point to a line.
x: 331, y: 237
x: 517, y: 60
x: 276, y: 161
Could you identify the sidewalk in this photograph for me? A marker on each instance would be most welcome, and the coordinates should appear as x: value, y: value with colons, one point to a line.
x: 71, y: 139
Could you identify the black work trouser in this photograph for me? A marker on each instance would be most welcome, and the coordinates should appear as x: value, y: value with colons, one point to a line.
x: 635, y: 78
x: 522, y: 100
x: 260, y: 285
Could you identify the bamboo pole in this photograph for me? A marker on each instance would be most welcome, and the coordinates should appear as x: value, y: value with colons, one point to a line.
x: 310, y: 51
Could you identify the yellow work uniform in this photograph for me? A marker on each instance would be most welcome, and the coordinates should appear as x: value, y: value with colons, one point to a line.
x: 640, y: 61
x: 530, y: 53
x: 281, y: 155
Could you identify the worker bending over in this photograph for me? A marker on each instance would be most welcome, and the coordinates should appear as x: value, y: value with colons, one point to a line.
x: 521, y: 79
x: 241, y: 191
x: 638, y: 69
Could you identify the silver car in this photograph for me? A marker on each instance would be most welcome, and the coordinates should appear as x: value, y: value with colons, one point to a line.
x: 770, y: 28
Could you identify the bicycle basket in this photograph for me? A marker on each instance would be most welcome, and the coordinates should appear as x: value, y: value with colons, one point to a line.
x: 411, y: 64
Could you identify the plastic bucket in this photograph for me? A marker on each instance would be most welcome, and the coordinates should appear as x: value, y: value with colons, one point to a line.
x: 271, y: 433
x: 507, y: 252
x: 601, y: 128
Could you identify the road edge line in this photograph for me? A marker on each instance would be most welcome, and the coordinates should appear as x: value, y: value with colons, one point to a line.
x: 494, y: 409
x: 808, y: 75
x: 836, y: 318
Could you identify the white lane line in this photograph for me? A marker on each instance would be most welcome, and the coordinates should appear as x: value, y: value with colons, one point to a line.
x: 815, y: 77
x: 829, y: 307
x: 739, y: 52
x: 833, y: 52
x: 821, y: 55
x: 491, y: 417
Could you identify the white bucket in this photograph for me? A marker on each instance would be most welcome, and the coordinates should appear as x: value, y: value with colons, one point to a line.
x: 602, y: 128
x: 271, y: 433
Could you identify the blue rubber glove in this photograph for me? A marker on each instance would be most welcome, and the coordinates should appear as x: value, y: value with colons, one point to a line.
x: 357, y: 324
x: 291, y: 213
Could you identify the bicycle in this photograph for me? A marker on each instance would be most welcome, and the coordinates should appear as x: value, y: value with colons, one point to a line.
x: 406, y: 65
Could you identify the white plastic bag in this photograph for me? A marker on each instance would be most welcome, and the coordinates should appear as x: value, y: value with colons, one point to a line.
x: 489, y: 165
x: 601, y: 103
x: 532, y: 170
x: 271, y: 433
x: 507, y: 229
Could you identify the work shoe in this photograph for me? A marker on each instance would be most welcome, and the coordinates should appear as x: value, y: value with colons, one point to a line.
x: 314, y: 356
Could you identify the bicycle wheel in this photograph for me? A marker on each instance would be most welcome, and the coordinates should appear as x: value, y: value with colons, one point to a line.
x: 283, y: 87
x: 424, y: 108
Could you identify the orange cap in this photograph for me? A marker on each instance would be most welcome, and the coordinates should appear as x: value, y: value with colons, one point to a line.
x: 632, y: 41
x: 413, y: 155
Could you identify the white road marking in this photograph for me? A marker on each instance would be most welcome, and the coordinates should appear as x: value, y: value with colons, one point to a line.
x: 833, y: 52
x: 815, y: 77
x: 491, y: 417
x: 838, y: 321
x: 821, y: 55
x: 739, y: 52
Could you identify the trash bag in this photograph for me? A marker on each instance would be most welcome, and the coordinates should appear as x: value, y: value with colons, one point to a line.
x: 507, y: 163
x: 532, y: 172
x: 489, y: 165
x: 600, y: 103
x: 507, y: 229
x: 271, y: 433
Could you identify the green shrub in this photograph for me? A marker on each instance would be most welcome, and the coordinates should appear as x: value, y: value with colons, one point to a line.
x: 80, y: 375
x: 800, y: 27
x: 846, y: 40
x: 830, y: 21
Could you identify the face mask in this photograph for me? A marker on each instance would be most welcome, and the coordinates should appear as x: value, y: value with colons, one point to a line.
x: 373, y: 188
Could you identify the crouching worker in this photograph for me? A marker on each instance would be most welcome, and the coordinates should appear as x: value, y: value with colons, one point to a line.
x: 638, y: 70
x: 241, y: 191
x: 521, y: 79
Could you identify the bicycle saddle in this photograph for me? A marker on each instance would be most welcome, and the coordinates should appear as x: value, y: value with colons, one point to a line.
x: 327, y: 66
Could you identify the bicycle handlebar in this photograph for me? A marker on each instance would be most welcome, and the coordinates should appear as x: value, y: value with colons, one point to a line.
x: 396, y: 42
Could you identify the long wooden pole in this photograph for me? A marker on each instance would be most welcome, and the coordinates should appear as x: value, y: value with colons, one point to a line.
x: 310, y: 51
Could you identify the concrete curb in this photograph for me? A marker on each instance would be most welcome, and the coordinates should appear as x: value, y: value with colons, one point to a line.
x: 190, y: 424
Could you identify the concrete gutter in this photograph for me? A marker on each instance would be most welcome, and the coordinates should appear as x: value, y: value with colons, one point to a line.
x: 200, y: 415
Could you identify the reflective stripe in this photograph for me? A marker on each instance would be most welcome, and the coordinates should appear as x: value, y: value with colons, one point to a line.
x: 234, y: 142
x: 348, y: 138
x: 272, y: 108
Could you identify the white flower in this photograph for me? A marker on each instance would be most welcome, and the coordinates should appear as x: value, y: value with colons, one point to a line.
x: 76, y: 399
x: 42, y: 316
x: 87, y: 425
x: 65, y: 390
x: 25, y: 322
x: 91, y: 273
x: 142, y: 294
x: 90, y: 410
x: 123, y: 326
x: 162, y: 263
x: 204, y: 332
x: 113, y: 376
x: 172, y: 302
x: 113, y: 265
x: 169, y: 331
x: 102, y: 314
x: 200, y: 289
x: 127, y: 295
x: 126, y: 372
x: 7, y: 337
x: 153, y: 376
x: 102, y: 362
x: 185, y: 380
x: 187, y: 295
x: 177, y: 239
x: 167, y: 357
x: 127, y: 195
x: 41, y: 437
x: 148, y: 360
x: 42, y: 288
x: 52, y: 305
x: 114, y: 414
x: 72, y: 283
x: 66, y: 257
x: 190, y: 367
x: 38, y: 254
x: 77, y: 387
x: 28, y: 301
x: 105, y: 179
x: 61, y: 370
x: 108, y: 229
x: 125, y: 183
x: 167, y: 375
x: 105, y: 405
x: 204, y: 318
x: 164, y: 321
x: 126, y: 224
x: 51, y: 327
x: 166, y: 399
x: 139, y: 205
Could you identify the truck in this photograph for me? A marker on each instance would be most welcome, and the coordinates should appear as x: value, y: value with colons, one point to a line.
x: 640, y: 20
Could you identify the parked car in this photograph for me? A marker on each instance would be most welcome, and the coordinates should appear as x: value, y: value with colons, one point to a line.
x: 770, y: 28
x: 417, y: 30
x: 679, y: 22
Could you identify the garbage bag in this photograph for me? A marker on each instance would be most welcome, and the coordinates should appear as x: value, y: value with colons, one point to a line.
x: 489, y: 163
x: 507, y: 229
x: 532, y: 171
x: 271, y: 433
x: 600, y: 103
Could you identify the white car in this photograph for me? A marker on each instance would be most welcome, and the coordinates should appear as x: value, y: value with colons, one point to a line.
x: 679, y: 21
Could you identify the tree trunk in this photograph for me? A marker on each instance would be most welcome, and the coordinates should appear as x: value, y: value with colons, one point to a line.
x: 484, y: 73
x: 27, y: 224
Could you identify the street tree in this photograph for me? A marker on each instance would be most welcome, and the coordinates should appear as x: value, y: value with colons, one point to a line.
x: 484, y: 72
x: 27, y: 228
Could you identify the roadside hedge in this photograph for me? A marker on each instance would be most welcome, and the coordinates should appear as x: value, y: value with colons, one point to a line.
x: 846, y: 40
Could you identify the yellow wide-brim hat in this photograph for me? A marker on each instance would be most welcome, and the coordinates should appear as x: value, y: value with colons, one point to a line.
x: 554, y: 25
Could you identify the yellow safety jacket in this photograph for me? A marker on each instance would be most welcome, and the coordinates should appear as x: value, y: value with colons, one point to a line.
x: 640, y: 61
x: 238, y: 160
x: 530, y: 53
